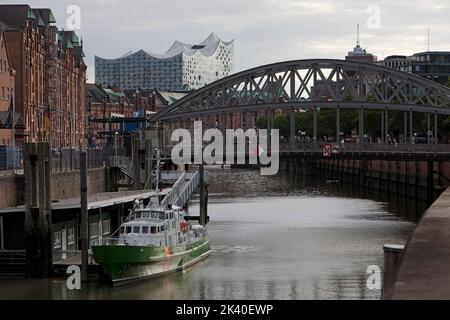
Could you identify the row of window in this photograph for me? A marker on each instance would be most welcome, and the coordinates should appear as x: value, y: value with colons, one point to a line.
x: 58, y: 240
x: 143, y: 229
x: 95, y: 228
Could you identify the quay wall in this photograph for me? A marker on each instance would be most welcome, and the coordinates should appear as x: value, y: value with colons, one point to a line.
x: 412, y: 179
x: 64, y: 185
x: 423, y: 270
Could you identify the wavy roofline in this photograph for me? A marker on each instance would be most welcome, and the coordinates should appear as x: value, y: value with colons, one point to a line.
x: 208, y: 48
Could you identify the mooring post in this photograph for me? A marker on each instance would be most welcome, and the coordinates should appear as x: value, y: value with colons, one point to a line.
x: 392, y: 259
x: 148, y: 164
x: 38, y: 211
x: 84, y: 216
x: 136, y: 165
x: 202, y: 194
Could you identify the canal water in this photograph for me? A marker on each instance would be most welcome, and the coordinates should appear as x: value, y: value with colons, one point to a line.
x: 279, y: 237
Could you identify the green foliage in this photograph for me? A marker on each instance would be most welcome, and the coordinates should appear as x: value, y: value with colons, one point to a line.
x: 349, y: 120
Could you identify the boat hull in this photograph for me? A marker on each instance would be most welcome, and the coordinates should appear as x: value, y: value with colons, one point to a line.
x: 126, y: 264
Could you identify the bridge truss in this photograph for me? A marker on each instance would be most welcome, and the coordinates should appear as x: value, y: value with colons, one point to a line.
x: 313, y: 84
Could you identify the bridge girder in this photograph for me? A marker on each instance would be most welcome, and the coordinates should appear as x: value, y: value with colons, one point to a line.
x: 320, y: 83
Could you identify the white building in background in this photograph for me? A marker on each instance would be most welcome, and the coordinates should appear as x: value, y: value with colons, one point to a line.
x: 183, y: 67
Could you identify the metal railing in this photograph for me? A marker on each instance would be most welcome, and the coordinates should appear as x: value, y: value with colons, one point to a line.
x: 62, y: 160
x: 12, y: 262
x: 71, y: 256
x: 122, y: 162
x: 188, y: 190
x: 11, y: 161
x: 172, y: 195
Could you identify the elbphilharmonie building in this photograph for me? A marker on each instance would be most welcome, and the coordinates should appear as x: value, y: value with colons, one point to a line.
x: 183, y: 67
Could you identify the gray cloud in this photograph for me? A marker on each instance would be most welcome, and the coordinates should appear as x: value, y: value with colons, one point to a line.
x: 265, y: 30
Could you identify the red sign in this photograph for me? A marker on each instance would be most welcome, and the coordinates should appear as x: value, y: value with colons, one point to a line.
x: 326, y: 150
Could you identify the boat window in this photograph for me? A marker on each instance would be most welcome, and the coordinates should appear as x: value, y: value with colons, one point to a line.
x: 122, y: 229
x: 163, y: 227
x: 138, y: 215
x: 159, y: 229
x: 136, y: 229
x: 128, y: 229
x: 145, y: 215
x: 162, y: 215
x: 153, y: 229
x: 154, y: 214
x: 144, y: 229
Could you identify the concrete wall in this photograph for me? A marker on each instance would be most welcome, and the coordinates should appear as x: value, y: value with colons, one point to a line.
x: 63, y: 185
x: 8, y: 191
x: 66, y: 185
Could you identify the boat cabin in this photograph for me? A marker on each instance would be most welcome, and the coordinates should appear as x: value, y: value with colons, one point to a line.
x: 155, y: 227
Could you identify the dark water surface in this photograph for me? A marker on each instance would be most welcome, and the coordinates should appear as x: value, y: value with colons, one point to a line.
x: 272, y: 238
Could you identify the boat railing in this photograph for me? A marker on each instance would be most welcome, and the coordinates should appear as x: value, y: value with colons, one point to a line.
x: 105, y: 241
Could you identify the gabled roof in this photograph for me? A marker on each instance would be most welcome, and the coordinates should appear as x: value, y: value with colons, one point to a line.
x: 97, y: 93
x: 16, y: 16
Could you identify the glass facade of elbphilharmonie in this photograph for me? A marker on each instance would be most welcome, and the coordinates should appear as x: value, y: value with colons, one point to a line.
x: 183, y: 67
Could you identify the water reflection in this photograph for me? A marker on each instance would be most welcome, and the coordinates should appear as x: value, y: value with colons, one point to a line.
x: 279, y: 237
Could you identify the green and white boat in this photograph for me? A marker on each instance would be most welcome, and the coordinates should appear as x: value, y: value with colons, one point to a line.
x: 153, y: 241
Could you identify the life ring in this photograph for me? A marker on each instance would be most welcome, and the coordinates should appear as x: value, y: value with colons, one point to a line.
x: 183, y: 225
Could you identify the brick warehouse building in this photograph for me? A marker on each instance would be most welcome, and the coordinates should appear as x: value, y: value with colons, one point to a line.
x: 6, y: 92
x: 50, y: 77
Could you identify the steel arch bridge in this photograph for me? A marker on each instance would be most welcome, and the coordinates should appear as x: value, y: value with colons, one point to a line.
x: 322, y: 83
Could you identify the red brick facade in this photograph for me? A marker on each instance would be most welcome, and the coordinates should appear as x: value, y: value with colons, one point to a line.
x: 50, y: 77
x: 6, y: 91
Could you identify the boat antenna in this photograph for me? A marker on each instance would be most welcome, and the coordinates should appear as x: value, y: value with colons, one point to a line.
x: 158, y: 162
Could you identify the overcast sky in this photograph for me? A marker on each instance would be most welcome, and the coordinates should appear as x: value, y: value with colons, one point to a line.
x: 265, y: 31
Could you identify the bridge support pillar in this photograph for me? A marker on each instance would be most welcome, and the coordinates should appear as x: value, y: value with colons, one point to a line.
x: 315, y: 128
x: 292, y: 129
x: 411, y: 137
x: 435, y: 128
x: 338, y: 124
x: 245, y: 124
x: 382, y: 137
x: 269, y: 122
x: 405, y: 127
x: 386, y: 125
x: 361, y: 125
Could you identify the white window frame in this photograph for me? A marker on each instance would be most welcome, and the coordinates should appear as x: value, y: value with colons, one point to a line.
x: 106, y: 227
x: 57, y: 239
x: 70, y: 236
